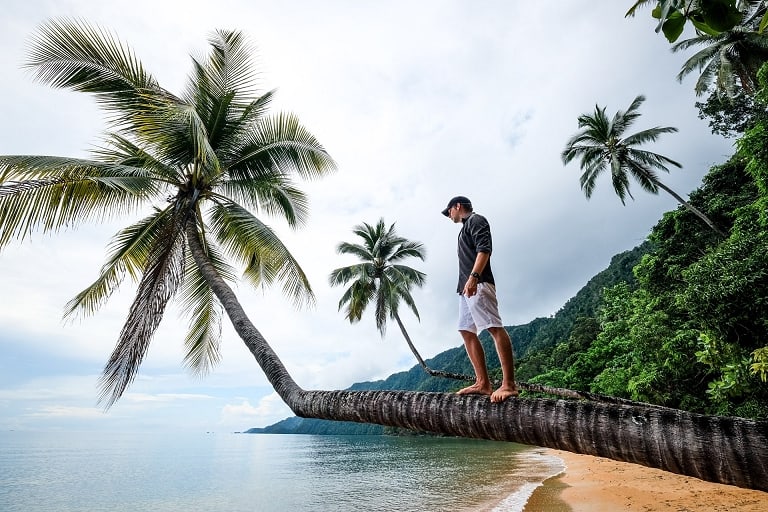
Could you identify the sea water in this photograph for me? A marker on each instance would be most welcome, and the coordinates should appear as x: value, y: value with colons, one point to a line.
x: 182, y: 472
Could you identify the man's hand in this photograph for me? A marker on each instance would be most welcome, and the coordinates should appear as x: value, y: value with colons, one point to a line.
x: 470, y: 287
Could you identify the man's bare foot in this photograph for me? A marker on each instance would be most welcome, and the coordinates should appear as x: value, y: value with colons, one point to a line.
x: 503, y: 393
x: 475, y: 389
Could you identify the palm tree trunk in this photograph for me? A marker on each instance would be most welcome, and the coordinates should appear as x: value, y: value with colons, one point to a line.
x: 691, y: 208
x: 430, y: 371
x: 717, y: 449
x: 533, y: 388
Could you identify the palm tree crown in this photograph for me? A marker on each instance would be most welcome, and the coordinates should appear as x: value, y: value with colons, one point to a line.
x: 207, y: 159
x: 600, y: 144
x: 728, y: 58
x: 379, y: 277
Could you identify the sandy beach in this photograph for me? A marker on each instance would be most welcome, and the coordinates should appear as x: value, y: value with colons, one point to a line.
x: 595, y: 484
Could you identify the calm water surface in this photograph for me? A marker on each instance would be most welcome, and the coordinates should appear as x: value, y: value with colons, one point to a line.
x: 93, y: 472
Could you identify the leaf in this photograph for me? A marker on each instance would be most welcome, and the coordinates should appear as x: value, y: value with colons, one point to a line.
x: 721, y: 15
x: 701, y: 25
x: 673, y: 27
x: 763, y: 23
x: 662, y: 12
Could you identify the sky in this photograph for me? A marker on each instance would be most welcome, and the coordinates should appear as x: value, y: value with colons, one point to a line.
x: 416, y: 102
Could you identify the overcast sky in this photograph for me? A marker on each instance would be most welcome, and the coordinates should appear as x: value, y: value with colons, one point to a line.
x: 416, y: 102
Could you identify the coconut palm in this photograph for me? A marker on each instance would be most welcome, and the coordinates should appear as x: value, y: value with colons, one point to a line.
x: 379, y: 278
x: 728, y: 58
x: 203, y: 167
x: 211, y: 156
x: 601, y: 145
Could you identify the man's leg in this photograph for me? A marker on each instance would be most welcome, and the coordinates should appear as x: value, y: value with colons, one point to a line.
x: 482, y: 385
x: 508, y: 387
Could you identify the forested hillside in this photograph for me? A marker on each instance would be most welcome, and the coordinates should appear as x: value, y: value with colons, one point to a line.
x: 532, y: 342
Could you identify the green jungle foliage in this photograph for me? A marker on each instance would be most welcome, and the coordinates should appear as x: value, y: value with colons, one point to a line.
x: 687, y: 334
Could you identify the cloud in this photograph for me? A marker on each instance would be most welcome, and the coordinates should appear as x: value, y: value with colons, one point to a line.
x: 267, y: 411
x: 417, y: 102
x: 163, y: 397
x: 74, y: 413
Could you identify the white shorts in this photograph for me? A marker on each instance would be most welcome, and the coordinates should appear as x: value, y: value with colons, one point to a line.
x: 480, y: 311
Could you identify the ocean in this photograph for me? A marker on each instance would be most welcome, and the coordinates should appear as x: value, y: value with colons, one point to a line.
x: 229, y: 472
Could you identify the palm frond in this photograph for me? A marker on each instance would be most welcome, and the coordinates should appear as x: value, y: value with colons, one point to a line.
x: 200, y: 304
x: 645, y: 176
x: 233, y: 135
x: 364, y: 253
x: 343, y: 275
x: 649, y: 135
x: 203, y: 339
x: 248, y: 240
x: 356, y: 298
x: 176, y: 132
x: 636, y: 5
x: 588, y: 178
x: 623, y: 120
x: 119, y: 150
x: 158, y: 285
x: 403, y: 294
x: 213, y: 107
x: 384, y: 305
x: 72, y: 54
x: 273, y: 194
x: 620, y: 182
x: 51, y: 193
x: 407, y: 249
x: 230, y: 64
x: 651, y: 159
x: 406, y: 276
x: 129, y: 253
x: 280, y: 144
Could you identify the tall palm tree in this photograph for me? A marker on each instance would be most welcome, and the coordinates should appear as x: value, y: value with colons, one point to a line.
x: 728, y: 58
x: 206, y: 162
x: 601, y: 145
x: 381, y: 279
x: 199, y: 220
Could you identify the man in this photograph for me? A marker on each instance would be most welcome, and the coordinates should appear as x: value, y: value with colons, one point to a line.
x: 478, y: 306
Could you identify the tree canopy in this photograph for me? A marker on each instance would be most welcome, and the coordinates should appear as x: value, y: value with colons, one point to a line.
x: 207, y: 158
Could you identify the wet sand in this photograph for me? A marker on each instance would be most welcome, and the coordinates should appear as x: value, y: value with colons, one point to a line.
x: 595, y: 484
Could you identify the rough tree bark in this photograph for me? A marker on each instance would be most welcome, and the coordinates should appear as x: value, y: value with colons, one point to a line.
x: 717, y: 449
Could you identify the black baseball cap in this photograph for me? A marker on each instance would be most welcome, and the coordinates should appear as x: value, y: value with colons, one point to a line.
x: 458, y: 199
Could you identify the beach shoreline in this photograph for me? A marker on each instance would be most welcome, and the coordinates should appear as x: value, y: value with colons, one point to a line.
x: 596, y: 484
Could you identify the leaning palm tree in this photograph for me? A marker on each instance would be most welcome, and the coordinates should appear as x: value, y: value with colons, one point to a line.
x: 381, y: 279
x: 190, y: 149
x: 206, y: 165
x: 601, y: 145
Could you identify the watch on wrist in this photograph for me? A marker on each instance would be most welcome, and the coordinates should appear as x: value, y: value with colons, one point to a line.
x: 475, y: 275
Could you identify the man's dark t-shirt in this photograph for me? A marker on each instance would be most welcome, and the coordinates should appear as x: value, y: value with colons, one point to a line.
x: 474, y: 237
